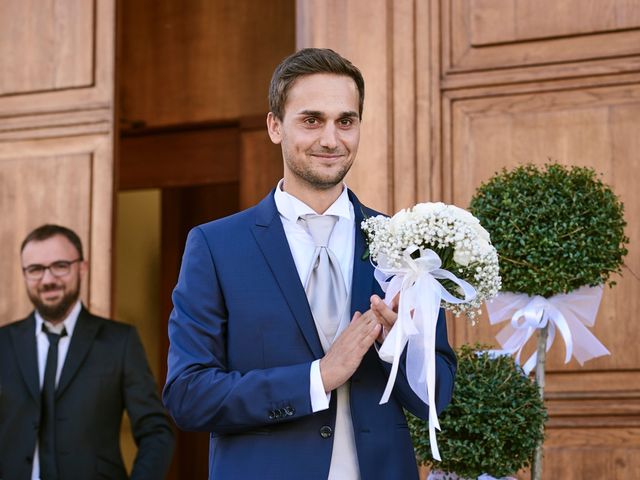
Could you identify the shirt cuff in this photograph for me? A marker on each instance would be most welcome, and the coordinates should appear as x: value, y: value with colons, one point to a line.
x: 377, y: 347
x: 319, y: 398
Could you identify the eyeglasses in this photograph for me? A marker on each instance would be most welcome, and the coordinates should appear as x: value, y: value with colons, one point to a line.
x: 57, y: 269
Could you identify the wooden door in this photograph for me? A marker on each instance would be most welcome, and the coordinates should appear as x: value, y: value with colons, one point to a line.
x: 537, y: 81
x: 56, y: 136
x: 461, y: 88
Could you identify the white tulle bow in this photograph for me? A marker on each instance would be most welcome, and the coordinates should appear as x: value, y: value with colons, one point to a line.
x: 570, y: 314
x: 419, y: 303
x: 438, y: 475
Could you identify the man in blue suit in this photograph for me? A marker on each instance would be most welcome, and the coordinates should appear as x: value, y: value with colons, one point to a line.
x: 285, y: 392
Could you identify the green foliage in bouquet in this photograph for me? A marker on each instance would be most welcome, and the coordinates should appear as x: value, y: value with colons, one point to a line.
x: 493, y: 423
x: 555, y: 228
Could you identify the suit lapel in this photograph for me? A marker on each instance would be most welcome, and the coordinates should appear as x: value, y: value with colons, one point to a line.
x: 83, y: 335
x: 362, y: 281
x: 24, y: 344
x: 269, y: 234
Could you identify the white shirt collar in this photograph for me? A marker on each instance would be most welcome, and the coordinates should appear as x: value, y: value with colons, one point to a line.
x: 69, y: 323
x: 293, y: 208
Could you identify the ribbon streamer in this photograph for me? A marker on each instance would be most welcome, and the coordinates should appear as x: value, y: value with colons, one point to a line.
x: 419, y: 304
x: 569, y: 313
x: 439, y: 475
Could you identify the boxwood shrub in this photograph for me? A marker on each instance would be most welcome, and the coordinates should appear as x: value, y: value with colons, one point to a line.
x: 493, y: 423
x: 556, y: 228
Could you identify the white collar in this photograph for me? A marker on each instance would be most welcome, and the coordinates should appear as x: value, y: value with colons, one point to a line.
x: 68, y: 323
x: 293, y: 208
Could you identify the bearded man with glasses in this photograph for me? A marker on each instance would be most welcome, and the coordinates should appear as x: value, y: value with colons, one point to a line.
x: 66, y: 377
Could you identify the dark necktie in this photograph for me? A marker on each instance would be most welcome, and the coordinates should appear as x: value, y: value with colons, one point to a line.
x: 47, y: 433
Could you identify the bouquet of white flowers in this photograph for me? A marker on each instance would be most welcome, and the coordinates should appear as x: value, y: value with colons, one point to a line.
x: 431, y: 255
x: 453, y: 234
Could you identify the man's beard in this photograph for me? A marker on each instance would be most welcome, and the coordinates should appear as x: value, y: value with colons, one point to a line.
x: 315, y: 178
x: 55, y: 312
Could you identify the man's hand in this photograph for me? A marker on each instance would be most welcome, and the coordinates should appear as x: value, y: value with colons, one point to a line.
x: 386, y: 315
x: 345, y: 355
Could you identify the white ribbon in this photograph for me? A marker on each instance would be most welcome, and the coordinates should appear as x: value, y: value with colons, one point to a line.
x: 418, y: 308
x: 569, y: 313
x: 439, y: 475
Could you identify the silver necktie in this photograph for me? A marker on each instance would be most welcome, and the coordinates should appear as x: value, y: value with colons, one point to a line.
x: 325, y: 286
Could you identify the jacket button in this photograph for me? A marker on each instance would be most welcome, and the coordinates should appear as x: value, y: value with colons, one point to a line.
x: 326, y: 431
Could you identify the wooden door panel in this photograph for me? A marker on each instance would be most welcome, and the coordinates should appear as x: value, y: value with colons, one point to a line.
x: 66, y: 181
x: 580, y: 453
x: 46, y: 45
x: 591, y: 127
x: 56, y: 135
x: 56, y: 56
x: 31, y: 190
x: 260, y: 162
x: 181, y: 157
x: 487, y: 35
x: 385, y: 172
x: 200, y: 61
x: 507, y: 21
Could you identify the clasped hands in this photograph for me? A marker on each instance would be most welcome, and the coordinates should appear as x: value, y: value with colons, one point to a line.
x: 347, y: 351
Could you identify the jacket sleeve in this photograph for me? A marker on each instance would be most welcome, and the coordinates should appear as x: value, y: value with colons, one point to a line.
x: 150, y: 424
x: 201, y: 392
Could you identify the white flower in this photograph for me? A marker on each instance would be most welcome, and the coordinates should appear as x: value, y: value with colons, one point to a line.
x: 462, y: 256
x: 482, y: 233
x: 440, y: 227
x: 430, y: 208
x: 469, y: 219
x: 484, y: 247
x: 461, y: 214
x: 397, y: 220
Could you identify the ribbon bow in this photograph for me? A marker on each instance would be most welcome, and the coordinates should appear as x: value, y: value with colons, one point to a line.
x: 569, y: 313
x: 440, y: 475
x: 419, y: 304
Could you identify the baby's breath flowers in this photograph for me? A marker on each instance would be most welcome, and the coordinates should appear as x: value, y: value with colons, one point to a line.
x: 430, y: 255
x: 456, y: 236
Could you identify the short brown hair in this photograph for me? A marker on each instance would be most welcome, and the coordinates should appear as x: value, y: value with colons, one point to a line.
x: 45, y: 232
x: 307, y: 62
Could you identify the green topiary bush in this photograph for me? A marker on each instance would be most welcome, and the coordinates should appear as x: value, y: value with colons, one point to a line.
x: 555, y: 228
x: 493, y: 423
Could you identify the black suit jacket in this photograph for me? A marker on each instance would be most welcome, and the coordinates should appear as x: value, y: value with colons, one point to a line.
x: 105, y: 371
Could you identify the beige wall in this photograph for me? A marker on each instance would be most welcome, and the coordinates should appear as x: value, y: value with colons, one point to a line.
x: 137, y: 268
x: 137, y: 281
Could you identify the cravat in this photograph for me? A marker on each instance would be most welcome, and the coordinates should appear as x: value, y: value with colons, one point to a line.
x: 325, y: 286
x: 47, y: 432
x: 328, y: 299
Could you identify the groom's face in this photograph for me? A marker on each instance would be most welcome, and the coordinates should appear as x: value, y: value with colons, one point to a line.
x: 319, y: 131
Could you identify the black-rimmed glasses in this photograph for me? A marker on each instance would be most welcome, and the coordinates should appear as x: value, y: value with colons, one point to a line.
x: 57, y: 269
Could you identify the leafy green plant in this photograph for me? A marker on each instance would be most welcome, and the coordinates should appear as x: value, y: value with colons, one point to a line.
x: 555, y: 228
x: 493, y: 423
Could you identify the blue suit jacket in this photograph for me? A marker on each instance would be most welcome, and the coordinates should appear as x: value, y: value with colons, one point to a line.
x: 242, y: 339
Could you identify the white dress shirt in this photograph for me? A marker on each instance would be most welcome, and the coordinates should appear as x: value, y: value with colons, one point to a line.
x: 42, y: 345
x: 344, y: 461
